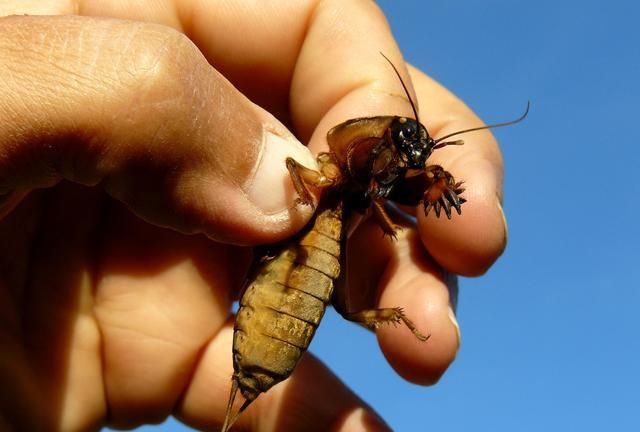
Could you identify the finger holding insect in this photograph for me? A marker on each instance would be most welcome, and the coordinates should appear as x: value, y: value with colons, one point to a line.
x: 308, y: 55
x: 345, y: 83
x: 335, y: 82
x: 387, y: 273
x: 313, y: 399
x: 470, y: 243
x: 199, y: 158
x: 159, y: 297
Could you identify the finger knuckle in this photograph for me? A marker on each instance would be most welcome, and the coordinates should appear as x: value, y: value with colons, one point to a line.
x: 159, y: 65
x: 157, y: 89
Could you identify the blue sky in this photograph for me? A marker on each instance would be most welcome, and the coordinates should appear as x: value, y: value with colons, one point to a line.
x: 550, y: 334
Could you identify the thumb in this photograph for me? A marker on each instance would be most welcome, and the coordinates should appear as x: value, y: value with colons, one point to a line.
x: 136, y: 109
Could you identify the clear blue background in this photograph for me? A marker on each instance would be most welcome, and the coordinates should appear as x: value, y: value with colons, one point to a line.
x: 550, y: 334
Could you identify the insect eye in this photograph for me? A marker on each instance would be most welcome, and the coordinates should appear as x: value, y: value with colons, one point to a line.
x: 405, y: 134
x: 407, y: 131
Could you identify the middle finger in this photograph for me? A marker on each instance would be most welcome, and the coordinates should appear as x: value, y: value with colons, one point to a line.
x: 160, y: 297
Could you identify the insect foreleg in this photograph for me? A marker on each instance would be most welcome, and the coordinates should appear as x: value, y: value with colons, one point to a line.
x: 301, y: 176
x: 442, y: 191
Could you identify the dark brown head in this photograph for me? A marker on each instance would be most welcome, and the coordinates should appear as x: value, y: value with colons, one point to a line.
x: 412, y: 139
x: 409, y: 135
x: 412, y: 142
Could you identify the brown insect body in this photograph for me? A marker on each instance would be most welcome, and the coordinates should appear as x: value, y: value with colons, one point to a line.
x: 371, y: 160
x: 281, y: 308
x: 283, y: 304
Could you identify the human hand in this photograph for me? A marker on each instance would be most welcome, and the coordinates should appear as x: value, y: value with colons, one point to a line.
x: 109, y: 319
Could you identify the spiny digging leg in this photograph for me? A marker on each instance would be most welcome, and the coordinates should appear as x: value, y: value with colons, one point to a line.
x: 443, y: 192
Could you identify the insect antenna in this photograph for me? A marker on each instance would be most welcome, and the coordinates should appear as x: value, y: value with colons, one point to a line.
x: 406, y: 91
x: 228, y: 420
x: 497, y: 125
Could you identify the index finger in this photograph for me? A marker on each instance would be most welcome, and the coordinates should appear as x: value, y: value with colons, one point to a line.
x: 314, y: 64
x: 299, y: 60
x: 470, y: 243
x: 340, y: 75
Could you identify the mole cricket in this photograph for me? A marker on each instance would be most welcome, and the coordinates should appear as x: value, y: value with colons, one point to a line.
x: 370, y: 161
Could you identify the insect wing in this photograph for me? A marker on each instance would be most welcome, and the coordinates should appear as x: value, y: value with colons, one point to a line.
x: 343, y: 136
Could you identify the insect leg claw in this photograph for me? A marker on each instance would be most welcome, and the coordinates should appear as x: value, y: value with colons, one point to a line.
x: 393, y: 233
x: 386, y: 224
x: 375, y: 318
x: 442, y: 193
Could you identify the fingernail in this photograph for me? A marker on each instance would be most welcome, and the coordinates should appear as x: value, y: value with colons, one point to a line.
x: 454, y: 321
x: 376, y: 423
x: 362, y: 419
x: 10, y: 200
x: 504, y: 224
x: 271, y: 189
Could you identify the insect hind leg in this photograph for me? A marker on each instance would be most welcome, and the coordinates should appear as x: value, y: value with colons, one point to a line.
x: 375, y: 318
x: 384, y: 221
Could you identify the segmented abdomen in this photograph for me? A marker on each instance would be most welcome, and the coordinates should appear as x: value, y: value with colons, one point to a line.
x: 281, y: 309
